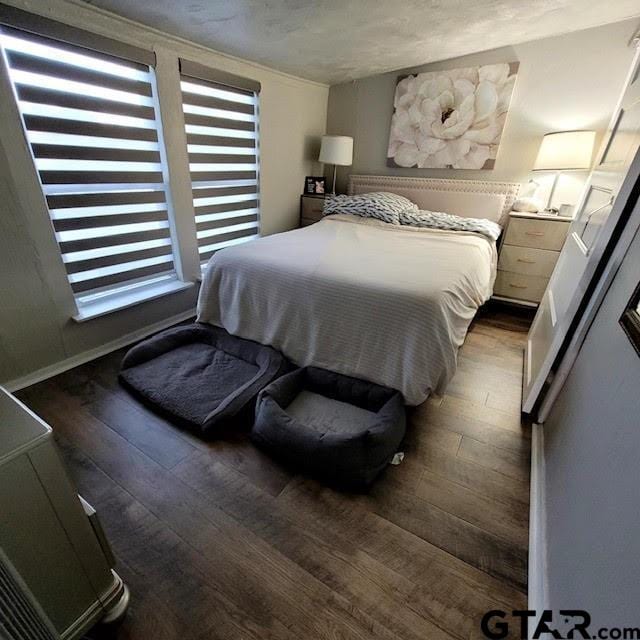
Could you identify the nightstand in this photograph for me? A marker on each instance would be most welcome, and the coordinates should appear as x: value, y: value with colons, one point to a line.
x: 311, y: 208
x: 528, y: 255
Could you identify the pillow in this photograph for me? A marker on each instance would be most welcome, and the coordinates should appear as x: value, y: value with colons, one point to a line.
x: 529, y: 204
x: 381, y: 205
x: 439, y: 220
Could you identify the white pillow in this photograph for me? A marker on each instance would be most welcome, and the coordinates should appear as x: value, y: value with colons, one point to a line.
x: 529, y: 204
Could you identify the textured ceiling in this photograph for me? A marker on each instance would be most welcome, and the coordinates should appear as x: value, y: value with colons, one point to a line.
x: 333, y: 41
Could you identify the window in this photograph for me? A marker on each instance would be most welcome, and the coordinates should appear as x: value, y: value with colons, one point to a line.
x: 91, y: 121
x: 221, y: 121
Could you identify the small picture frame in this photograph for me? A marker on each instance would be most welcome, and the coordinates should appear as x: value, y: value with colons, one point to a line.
x: 630, y: 320
x: 314, y: 185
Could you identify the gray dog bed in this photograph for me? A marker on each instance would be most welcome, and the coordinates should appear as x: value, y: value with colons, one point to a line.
x: 199, y: 374
x: 332, y: 426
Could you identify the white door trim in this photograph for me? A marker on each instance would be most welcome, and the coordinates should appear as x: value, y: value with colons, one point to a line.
x: 537, y: 579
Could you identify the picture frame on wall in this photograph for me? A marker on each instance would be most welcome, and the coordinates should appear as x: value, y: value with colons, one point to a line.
x: 630, y: 320
x: 450, y: 119
x: 314, y: 185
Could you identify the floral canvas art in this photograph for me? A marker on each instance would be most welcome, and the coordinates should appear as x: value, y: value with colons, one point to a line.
x: 451, y: 119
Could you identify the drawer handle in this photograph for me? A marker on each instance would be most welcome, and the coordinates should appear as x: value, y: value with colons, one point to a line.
x: 537, y: 234
x: 518, y: 286
x: 526, y: 261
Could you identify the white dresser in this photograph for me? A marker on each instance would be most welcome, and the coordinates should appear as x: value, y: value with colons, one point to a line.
x: 52, y: 545
x: 528, y: 256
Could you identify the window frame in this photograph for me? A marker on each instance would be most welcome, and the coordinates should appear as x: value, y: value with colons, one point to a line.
x: 90, y: 274
x: 209, y: 77
x: 164, y: 65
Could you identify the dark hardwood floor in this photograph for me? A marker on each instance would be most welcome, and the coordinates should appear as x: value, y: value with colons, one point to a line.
x: 216, y: 541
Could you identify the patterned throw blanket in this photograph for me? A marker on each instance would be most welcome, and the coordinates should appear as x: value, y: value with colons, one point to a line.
x: 438, y: 220
x: 379, y: 204
x: 396, y: 209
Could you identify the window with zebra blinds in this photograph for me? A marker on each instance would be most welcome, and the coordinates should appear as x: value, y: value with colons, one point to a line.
x: 91, y: 117
x: 222, y: 141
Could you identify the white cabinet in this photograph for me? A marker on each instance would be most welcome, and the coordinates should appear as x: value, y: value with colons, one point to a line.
x: 46, y: 533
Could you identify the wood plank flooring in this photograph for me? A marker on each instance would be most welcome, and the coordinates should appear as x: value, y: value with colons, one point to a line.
x: 217, y: 541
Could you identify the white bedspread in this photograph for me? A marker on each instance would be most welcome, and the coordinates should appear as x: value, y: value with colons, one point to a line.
x: 357, y: 296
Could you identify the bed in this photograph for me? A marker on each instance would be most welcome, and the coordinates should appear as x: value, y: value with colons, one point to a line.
x: 385, y: 303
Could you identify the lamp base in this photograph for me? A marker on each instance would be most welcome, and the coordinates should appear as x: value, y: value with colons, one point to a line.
x: 556, y: 175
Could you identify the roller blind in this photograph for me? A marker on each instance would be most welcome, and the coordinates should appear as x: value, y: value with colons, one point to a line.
x: 222, y: 141
x: 91, y: 121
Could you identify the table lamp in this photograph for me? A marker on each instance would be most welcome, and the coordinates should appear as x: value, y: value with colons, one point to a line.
x: 564, y: 151
x: 336, y: 150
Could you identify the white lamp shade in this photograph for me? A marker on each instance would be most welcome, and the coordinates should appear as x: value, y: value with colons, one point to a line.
x: 565, y: 151
x: 336, y: 150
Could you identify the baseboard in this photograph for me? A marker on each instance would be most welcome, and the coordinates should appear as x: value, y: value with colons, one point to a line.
x: 537, y: 591
x: 92, y: 354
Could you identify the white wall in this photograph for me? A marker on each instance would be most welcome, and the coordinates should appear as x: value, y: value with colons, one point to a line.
x: 564, y: 82
x: 35, y: 301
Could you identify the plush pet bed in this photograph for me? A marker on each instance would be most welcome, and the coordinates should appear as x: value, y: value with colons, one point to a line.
x: 339, y: 428
x: 200, y: 375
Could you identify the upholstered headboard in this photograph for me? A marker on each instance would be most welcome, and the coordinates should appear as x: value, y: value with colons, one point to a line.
x: 466, y: 198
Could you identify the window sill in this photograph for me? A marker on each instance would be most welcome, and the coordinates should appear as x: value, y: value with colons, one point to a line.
x: 124, y: 300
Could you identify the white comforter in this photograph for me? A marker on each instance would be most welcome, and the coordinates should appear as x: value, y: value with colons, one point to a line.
x: 381, y: 302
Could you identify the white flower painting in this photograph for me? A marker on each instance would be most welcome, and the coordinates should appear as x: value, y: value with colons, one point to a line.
x: 451, y: 119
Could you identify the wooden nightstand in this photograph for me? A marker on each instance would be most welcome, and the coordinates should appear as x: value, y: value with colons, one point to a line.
x: 311, y: 208
x: 528, y: 255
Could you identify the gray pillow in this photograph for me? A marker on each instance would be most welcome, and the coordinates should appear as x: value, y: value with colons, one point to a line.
x: 381, y: 205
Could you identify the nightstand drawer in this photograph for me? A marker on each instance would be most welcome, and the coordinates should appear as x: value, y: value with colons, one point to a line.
x: 538, y: 233
x: 519, y: 286
x: 312, y: 208
x: 527, y: 261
